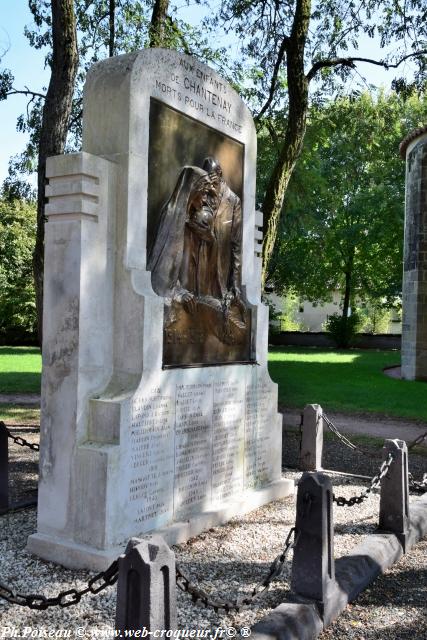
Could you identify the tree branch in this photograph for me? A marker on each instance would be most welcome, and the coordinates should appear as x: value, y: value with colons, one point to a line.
x: 350, y: 62
x: 25, y: 92
x: 272, y: 132
x: 276, y: 69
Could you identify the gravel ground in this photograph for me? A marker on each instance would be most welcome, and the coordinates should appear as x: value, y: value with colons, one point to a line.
x: 23, y: 465
x: 340, y: 458
x: 228, y: 561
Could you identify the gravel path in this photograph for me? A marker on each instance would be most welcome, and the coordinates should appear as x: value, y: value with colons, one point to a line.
x: 28, y: 399
x: 230, y: 560
x: 393, y: 608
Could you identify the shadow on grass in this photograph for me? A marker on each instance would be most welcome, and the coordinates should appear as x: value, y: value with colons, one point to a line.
x: 22, y: 351
x: 20, y: 382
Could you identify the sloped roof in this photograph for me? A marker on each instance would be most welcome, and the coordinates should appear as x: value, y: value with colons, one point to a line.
x: 409, y: 138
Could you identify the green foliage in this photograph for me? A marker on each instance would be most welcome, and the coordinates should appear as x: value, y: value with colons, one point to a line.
x: 17, y: 237
x: 348, y: 381
x: 288, y: 321
x: 131, y: 32
x: 375, y: 318
x: 343, y: 329
x: 335, y: 27
x: 345, y: 203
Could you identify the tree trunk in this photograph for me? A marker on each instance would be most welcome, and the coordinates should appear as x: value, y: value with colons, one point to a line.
x: 347, y: 294
x: 294, y: 137
x: 157, y: 25
x: 55, y: 120
x: 112, y: 27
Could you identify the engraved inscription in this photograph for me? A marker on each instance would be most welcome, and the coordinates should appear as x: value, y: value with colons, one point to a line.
x: 228, y: 429
x: 152, y: 457
x: 201, y: 92
x: 193, y: 445
x: 192, y: 336
x: 258, y: 422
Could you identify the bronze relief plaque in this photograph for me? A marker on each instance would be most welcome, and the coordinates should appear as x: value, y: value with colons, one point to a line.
x: 194, y: 240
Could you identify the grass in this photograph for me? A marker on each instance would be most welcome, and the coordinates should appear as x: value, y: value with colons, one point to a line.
x: 20, y: 370
x: 348, y: 381
x: 12, y: 414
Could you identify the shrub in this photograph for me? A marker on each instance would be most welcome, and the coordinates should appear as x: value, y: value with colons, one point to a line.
x: 343, y: 330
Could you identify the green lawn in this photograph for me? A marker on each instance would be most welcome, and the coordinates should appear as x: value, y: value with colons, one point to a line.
x: 348, y: 381
x: 20, y: 369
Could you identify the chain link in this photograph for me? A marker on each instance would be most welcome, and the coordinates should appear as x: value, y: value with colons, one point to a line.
x: 18, y: 440
x: 64, y: 598
x: 241, y: 603
x: 347, y: 442
x: 375, y: 483
x: 414, y: 485
x: 417, y: 441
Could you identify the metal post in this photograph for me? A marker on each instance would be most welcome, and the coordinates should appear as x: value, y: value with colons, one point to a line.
x: 146, y: 591
x: 4, y: 469
x: 394, y: 499
x: 313, y: 566
x: 312, y: 438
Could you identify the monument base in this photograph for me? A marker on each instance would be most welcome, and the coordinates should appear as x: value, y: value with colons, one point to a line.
x: 79, y: 556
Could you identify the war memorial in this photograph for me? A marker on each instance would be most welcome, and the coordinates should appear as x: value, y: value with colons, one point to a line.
x: 159, y: 419
x: 158, y: 412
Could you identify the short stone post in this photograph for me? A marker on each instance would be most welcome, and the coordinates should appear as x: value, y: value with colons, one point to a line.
x: 4, y: 469
x: 394, y: 499
x: 146, y: 591
x: 312, y: 438
x: 313, y: 566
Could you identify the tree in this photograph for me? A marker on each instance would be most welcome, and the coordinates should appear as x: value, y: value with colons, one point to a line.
x: 293, y: 44
x: 55, y: 121
x: 17, y: 238
x: 105, y: 27
x: 343, y: 224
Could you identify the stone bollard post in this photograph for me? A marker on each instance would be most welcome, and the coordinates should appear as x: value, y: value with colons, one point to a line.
x: 146, y: 591
x: 312, y: 438
x: 313, y: 566
x: 394, y: 499
x: 4, y: 469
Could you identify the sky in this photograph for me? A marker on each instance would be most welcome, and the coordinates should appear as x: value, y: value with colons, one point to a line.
x: 27, y: 65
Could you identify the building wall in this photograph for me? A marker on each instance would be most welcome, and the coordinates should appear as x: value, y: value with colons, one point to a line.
x: 312, y: 317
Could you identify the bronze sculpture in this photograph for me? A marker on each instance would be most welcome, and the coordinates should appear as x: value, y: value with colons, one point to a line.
x: 195, y: 260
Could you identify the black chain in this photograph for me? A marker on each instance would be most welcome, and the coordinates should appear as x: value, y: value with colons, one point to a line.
x: 18, y: 440
x: 300, y: 427
x: 375, y: 483
x: 65, y: 598
x: 347, y: 442
x: 417, y: 441
x: 241, y: 603
x: 414, y: 485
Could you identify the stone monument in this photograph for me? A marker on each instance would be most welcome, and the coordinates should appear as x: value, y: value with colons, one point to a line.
x: 158, y: 412
x: 414, y: 295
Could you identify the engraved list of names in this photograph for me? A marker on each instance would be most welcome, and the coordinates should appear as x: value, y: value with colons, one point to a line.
x: 193, y: 446
x: 152, y: 458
